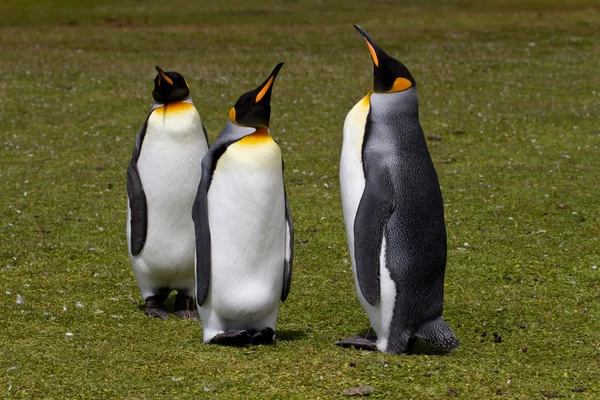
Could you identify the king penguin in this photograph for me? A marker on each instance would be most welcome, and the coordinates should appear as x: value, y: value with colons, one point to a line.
x: 162, y: 179
x: 244, y: 231
x: 394, y: 215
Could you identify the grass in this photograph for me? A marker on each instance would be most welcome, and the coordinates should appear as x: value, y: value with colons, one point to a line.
x: 510, y: 87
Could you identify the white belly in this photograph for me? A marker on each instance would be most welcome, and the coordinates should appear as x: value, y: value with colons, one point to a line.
x: 170, y: 169
x: 246, y: 212
x: 352, y: 185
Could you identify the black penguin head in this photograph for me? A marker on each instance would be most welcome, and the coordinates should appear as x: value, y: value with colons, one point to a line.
x: 254, y: 107
x: 389, y: 74
x: 169, y: 86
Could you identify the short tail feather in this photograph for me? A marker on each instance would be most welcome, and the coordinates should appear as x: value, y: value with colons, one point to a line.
x: 439, y: 334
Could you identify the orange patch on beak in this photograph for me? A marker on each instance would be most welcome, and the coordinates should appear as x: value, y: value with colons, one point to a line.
x: 264, y: 90
x: 166, y: 78
x: 373, y: 53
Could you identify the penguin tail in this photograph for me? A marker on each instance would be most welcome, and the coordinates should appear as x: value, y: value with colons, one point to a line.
x: 439, y: 334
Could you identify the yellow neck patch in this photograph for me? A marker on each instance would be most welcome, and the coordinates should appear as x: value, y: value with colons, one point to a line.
x: 400, y: 84
x: 232, y: 115
x: 366, y: 101
x: 175, y: 107
x: 261, y: 136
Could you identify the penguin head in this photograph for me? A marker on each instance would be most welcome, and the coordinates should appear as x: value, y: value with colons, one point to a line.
x: 389, y: 74
x: 253, y: 108
x: 169, y: 86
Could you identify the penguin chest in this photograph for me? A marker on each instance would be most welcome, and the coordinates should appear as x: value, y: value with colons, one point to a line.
x: 170, y: 169
x: 352, y: 177
x: 246, y: 212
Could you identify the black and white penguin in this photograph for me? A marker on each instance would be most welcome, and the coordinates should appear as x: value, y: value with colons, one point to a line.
x: 394, y: 214
x: 244, y: 231
x: 162, y: 180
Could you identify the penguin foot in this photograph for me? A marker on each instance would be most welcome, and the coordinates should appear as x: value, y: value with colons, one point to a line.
x: 156, y: 312
x: 264, y: 336
x: 368, y: 342
x: 185, y: 307
x: 232, y: 337
x: 186, y: 314
x: 154, y: 305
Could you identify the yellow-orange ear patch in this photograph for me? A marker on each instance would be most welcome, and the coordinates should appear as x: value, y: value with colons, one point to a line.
x: 264, y: 90
x: 400, y: 84
x: 232, y: 115
x: 373, y: 53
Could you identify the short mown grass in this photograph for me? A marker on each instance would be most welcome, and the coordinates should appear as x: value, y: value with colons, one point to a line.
x: 509, y: 98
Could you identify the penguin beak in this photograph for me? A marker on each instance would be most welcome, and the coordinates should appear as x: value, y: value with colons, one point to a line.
x: 163, y: 76
x: 389, y: 74
x: 373, y: 48
x: 268, y: 84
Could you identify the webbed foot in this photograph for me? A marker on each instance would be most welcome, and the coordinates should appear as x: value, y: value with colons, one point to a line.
x: 368, y: 342
x: 154, y: 305
x: 264, y: 336
x: 232, y: 337
x: 185, y: 307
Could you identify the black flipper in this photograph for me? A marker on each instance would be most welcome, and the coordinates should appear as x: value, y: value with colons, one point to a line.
x: 289, y: 251
x: 439, y: 334
x: 137, y: 197
x: 205, y: 134
x: 202, y: 229
x: 373, y: 213
x: 366, y: 342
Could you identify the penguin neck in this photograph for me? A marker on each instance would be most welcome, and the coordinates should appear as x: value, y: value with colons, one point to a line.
x: 157, y: 104
x: 405, y: 102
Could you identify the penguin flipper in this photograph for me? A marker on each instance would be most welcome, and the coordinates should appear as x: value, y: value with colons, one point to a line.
x: 439, y: 334
x: 373, y: 213
x: 137, y: 197
x: 205, y: 134
x: 202, y: 230
x: 289, y: 251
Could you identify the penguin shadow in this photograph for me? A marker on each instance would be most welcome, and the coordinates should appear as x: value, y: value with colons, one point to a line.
x: 290, y: 335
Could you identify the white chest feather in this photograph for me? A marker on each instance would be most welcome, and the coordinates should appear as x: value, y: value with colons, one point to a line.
x: 352, y: 178
x: 170, y: 169
x: 246, y: 211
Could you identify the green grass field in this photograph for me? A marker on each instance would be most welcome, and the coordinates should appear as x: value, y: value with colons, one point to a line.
x: 509, y: 98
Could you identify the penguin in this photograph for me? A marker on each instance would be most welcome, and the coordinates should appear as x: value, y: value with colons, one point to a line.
x: 244, y: 230
x: 162, y: 179
x: 393, y: 214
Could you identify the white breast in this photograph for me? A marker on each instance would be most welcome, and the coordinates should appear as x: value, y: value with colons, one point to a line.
x: 246, y: 212
x: 170, y: 169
